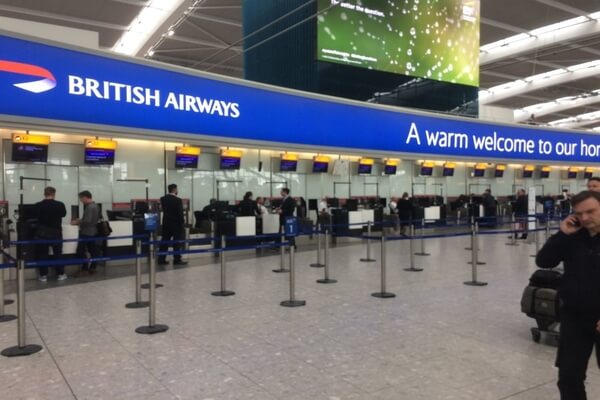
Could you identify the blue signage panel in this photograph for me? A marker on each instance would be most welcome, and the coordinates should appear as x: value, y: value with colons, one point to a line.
x: 49, y: 82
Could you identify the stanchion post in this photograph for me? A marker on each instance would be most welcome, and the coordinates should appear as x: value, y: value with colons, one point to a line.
x: 3, y: 316
x: 186, y: 245
x: 383, y: 294
x: 422, y: 239
x: 547, y: 233
x: 147, y: 285
x: 152, y: 326
x: 368, y: 257
x: 536, y: 237
x: 473, y: 262
x: 513, y: 237
x: 282, y: 255
x: 318, y: 264
x: 138, y: 303
x: 326, y: 278
x: 292, y: 302
x: 5, y: 245
x: 223, y: 292
x: 22, y: 349
x: 472, y: 223
x: 475, y: 250
x: 411, y: 242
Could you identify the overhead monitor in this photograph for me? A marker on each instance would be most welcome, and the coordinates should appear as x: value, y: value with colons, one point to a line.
x: 545, y: 172
x: 30, y: 148
x: 391, y: 166
x: 425, y: 39
x: 99, y: 152
x: 288, y: 162
x: 230, y: 159
x: 572, y: 173
x: 320, y: 164
x: 365, y: 166
x: 499, y: 171
x: 427, y: 168
x: 449, y: 169
x: 528, y: 171
x: 479, y: 170
x: 588, y: 173
x: 187, y: 156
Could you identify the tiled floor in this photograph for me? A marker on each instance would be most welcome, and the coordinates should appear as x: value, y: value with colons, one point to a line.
x: 438, y: 339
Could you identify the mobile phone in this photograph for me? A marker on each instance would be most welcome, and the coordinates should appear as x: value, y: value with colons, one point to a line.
x: 576, y: 223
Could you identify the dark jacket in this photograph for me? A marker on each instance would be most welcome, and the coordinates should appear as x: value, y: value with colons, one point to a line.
x: 248, y: 208
x: 288, y: 206
x: 404, y: 208
x: 580, y: 286
x: 172, y: 209
x: 520, y: 206
x: 49, y: 216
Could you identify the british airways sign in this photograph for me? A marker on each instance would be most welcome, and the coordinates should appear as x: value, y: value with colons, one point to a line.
x: 83, y: 88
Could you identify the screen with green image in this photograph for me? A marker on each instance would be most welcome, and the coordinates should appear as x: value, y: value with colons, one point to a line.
x: 434, y: 39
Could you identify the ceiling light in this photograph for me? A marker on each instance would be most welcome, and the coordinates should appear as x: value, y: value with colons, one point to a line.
x: 150, y: 18
x: 171, y: 32
x: 559, y: 25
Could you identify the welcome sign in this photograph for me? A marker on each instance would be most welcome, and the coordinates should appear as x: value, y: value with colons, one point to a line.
x: 66, y: 85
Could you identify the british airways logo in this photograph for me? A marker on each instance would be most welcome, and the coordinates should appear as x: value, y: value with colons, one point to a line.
x: 47, y: 81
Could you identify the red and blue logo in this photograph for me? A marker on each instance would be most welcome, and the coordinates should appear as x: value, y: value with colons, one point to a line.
x: 47, y: 81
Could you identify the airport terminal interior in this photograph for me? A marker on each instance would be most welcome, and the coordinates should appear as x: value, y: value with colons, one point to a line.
x: 310, y: 199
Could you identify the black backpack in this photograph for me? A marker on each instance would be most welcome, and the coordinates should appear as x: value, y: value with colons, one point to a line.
x: 546, y: 278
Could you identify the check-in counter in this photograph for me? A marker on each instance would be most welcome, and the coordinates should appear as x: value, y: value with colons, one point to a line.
x: 119, y: 228
x: 270, y: 224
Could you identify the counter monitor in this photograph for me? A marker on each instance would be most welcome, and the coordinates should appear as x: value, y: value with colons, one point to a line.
x: 426, y: 169
x: 499, y: 171
x: 320, y: 164
x: 230, y: 159
x: 545, y: 172
x: 288, y: 163
x: 365, y: 166
x: 30, y: 148
x: 186, y: 157
x: 99, y: 152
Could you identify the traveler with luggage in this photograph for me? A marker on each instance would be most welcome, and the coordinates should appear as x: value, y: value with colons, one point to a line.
x: 50, y: 213
x: 577, y: 245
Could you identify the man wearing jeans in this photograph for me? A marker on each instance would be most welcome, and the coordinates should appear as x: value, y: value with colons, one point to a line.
x: 49, y: 228
x: 88, y: 230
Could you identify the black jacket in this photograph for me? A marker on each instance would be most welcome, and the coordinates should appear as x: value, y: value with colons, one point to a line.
x: 288, y: 206
x: 172, y: 209
x: 580, y: 286
x: 248, y: 208
x: 404, y: 208
x: 521, y: 207
x: 49, y: 216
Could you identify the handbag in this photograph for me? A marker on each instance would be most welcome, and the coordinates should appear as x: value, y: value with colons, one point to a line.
x: 103, y: 228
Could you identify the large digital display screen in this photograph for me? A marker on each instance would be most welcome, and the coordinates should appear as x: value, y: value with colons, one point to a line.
x: 434, y: 39
x: 186, y: 161
x: 25, y: 152
x: 230, y: 162
x: 99, y: 156
x: 320, y: 166
x: 288, y: 165
x: 390, y: 169
x: 365, y: 169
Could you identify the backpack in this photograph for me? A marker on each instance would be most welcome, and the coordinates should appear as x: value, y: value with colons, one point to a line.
x: 103, y: 228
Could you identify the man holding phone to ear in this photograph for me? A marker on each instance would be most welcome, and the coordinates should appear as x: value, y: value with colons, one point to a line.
x: 577, y: 245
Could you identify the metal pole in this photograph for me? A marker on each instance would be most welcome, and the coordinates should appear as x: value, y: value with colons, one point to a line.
x: 22, y: 349
x: 186, y: 246
x: 422, y: 252
x: 6, y: 246
x: 473, y: 262
x: 383, y: 294
x: 513, y: 238
x: 292, y: 302
x: 282, y: 256
x: 152, y: 327
x: 547, y: 228
x: 475, y: 250
x: 223, y: 292
x: 368, y: 258
x: 326, y: 279
x: 318, y: 264
x: 536, y: 237
x: 411, y: 251
x: 138, y: 303
x: 472, y: 223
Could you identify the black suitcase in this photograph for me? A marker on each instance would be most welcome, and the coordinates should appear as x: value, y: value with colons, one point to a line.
x: 541, y: 301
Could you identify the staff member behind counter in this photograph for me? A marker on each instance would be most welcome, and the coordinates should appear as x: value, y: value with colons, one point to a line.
x: 577, y: 245
x: 248, y: 207
x: 172, y: 224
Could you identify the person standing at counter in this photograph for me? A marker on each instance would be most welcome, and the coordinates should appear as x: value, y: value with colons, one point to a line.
x: 210, y: 210
x: 520, y: 209
x: 248, y: 207
x: 405, y: 207
x: 50, y: 213
x: 172, y: 224
x: 88, y: 231
x: 260, y: 204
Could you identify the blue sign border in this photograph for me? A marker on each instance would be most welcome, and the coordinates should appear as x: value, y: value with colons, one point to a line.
x: 233, y: 110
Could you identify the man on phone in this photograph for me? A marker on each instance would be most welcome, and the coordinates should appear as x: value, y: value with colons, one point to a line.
x: 577, y: 245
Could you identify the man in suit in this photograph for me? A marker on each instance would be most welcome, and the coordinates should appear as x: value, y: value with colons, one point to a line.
x: 286, y: 210
x: 172, y: 224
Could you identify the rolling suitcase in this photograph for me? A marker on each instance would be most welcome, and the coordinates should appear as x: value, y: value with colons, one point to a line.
x: 541, y: 302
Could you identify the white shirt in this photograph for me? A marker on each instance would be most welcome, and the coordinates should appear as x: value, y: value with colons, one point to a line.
x: 262, y: 209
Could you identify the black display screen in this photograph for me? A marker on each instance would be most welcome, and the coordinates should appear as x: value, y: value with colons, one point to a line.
x: 588, y: 174
x: 499, y: 173
x: 479, y: 173
x: 426, y: 171
x: 320, y: 166
x: 230, y: 162
x: 544, y: 174
x: 527, y: 174
x: 390, y: 169
x: 99, y: 156
x: 572, y: 175
x: 448, y: 171
x: 22, y: 152
x: 365, y: 168
x: 288, y: 165
x: 186, y: 161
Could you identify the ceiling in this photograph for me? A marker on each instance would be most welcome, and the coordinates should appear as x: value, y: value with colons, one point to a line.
x: 209, y: 37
